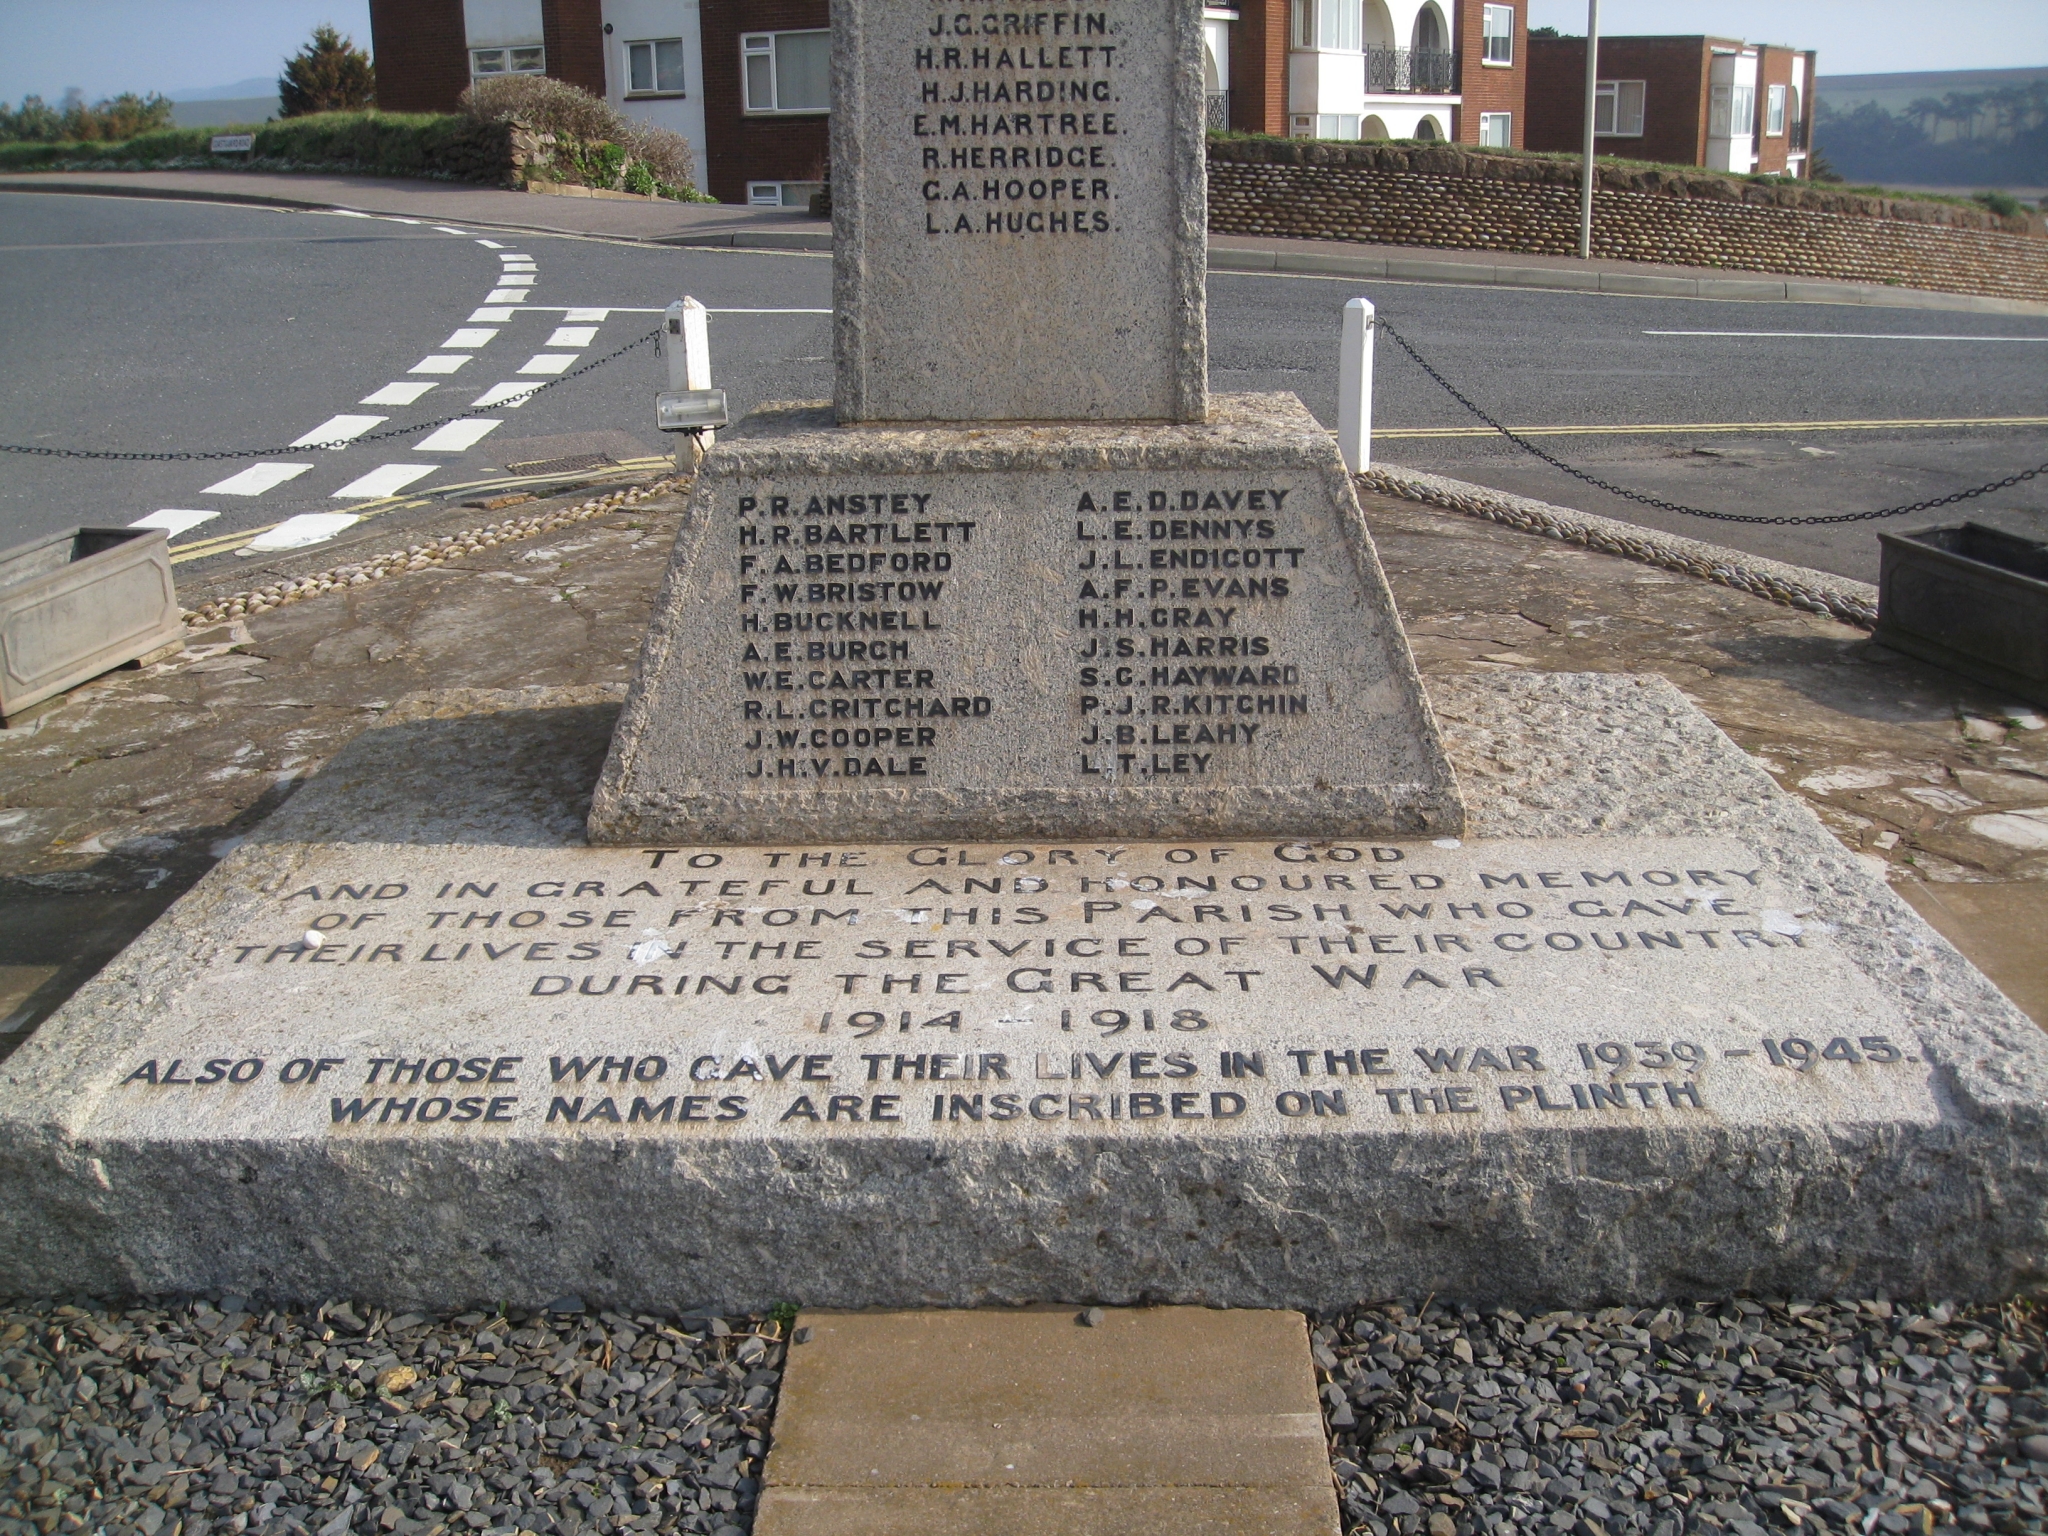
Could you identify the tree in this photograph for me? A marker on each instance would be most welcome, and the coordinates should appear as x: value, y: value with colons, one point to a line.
x: 329, y: 74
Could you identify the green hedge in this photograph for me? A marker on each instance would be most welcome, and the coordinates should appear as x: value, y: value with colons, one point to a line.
x: 382, y: 143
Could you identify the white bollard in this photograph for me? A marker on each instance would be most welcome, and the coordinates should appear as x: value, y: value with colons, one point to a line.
x: 1354, y: 387
x: 686, y: 344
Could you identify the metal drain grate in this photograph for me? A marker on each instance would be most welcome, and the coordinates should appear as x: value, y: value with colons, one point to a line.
x: 570, y: 465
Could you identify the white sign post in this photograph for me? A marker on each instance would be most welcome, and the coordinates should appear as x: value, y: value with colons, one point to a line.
x: 686, y: 343
x: 1354, y: 387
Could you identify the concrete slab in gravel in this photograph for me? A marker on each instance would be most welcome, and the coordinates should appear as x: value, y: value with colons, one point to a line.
x: 1100, y: 631
x: 1187, y: 1419
x: 1651, y: 1031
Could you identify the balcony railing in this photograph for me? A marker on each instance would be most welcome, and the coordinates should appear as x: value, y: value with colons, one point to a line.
x: 1430, y: 70
x: 1795, y: 140
x: 1216, y: 111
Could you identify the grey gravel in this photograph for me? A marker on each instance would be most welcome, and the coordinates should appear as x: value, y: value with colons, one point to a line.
x: 1737, y: 1415
x: 223, y: 1417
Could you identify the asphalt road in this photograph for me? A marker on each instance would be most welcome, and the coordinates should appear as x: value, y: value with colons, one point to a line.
x: 155, y: 327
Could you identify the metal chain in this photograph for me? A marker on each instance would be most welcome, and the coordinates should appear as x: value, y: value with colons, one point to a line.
x: 370, y: 437
x: 1671, y: 506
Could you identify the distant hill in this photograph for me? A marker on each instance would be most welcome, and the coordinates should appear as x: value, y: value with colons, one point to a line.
x: 1937, y: 128
x: 255, y: 85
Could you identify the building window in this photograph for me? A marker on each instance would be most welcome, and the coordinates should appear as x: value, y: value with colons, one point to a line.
x: 507, y: 61
x: 1774, y: 111
x: 1618, y: 108
x: 655, y: 68
x: 1732, y: 112
x: 1329, y: 26
x: 1497, y: 130
x: 782, y: 194
x: 787, y: 71
x: 1497, y: 28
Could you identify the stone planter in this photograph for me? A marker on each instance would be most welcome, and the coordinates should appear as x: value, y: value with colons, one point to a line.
x: 74, y: 604
x: 1969, y: 598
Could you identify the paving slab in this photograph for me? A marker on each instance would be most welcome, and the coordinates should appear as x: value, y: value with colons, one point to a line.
x: 1026, y: 1420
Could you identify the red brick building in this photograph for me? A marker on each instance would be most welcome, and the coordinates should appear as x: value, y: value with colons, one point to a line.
x: 1373, y: 69
x: 1708, y: 101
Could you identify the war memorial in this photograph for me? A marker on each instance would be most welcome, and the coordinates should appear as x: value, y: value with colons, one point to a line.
x: 1027, y: 868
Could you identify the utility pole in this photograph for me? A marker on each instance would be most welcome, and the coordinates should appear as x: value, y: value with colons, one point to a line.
x: 1592, y: 86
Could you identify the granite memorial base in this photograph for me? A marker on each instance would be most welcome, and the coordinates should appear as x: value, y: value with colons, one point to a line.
x: 1017, y: 632
x: 1645, y: 1030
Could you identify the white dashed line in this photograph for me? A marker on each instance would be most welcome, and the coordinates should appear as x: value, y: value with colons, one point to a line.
x: 492, y: 244
x: 174, y: 520
x: 513, y: 395
x: 506, y: 296
x: 338, y: 430
x: 298, y: 532
x: 470, y: 336
x: 571, y: 316
x: 456, y: 437
x: 767, y: 311
x: 440, y: 362
x: 444, y: 229
x: 572, y: 336
x: 257, y: 479
x: 350, y: 213
x: 548, y: 362
x: 497, y: 316
x: 385, y: 480
x: 397, y: 394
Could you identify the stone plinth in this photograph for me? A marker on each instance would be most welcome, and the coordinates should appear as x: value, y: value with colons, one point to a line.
x: 1649, y: 1030
x: 1018, y: 211
x: 1025, y: 632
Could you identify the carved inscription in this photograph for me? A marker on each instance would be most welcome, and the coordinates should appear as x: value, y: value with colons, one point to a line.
x: 1016, y: 122
x: 949, y: 990
x: 843, y: 610
x: 1178, y: 592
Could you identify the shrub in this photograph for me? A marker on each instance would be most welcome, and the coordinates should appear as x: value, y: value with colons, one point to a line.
x: 120, y: 117
x: 596, y: 145
x: 329, y: 74
x: 2004, y: 204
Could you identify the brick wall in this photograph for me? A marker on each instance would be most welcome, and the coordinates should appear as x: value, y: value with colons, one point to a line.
x: 1674, y: 75
x: 1774, y: 66
x: 1452, y: 199
x: 738, y: 147
x: 1489, y: 88
x: 574, y: 33
x: 1258, y: 67
x: 422, y: 54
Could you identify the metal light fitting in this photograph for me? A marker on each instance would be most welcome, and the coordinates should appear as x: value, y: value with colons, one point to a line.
x: 689, y: 410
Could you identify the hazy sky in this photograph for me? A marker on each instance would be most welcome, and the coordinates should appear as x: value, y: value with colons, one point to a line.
x: 105, y: 46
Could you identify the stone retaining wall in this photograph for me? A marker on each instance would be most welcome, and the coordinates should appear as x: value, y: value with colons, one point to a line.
x: 1453, y: 199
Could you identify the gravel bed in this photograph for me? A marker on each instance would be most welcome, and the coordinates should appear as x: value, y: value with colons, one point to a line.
x: 222, y: 1417
x: 1741, y: 1416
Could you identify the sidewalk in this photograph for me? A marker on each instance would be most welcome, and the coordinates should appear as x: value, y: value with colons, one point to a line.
x: 120, y: 794
x: 665, y: 223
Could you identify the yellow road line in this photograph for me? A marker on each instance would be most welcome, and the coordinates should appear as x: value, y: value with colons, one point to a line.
x: 199, y: 549
x: 1717, y: 427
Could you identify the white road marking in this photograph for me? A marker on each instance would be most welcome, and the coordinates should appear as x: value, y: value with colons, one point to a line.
x: 350, y: 213
x: 570, y: 316
x: 572, y: 336
x: 384, y: 480
x: 257, y: 479
x: 470, y: 336
x: 444, y: 229
x: 1844, y: 336
x: 174, y: 520
x: 496, y: 315
x: 548, y: 362
x: 306, y: 528
x: 506, y: 296
x: 761, y: 311
x: 513, y: 394
x: 392, y: 218
x: 440, y: 362
x: 491, y: 243
x: 516, y: 259
x: 397, y: 394
x: 456, y: 437
x: 337, y: 430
